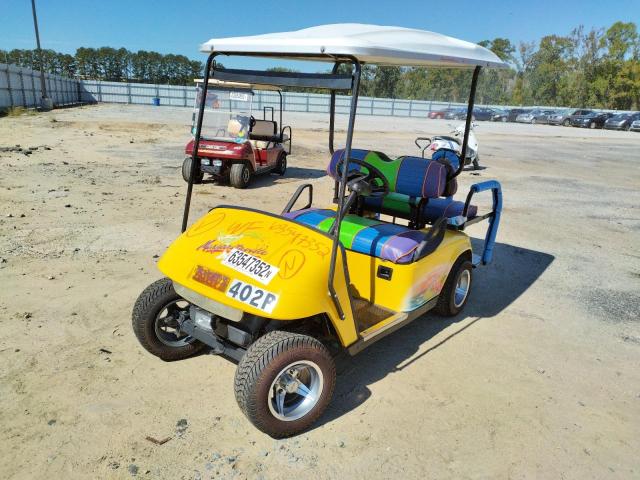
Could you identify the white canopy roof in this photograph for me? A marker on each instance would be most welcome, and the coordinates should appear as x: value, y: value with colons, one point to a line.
x: 368, y: 43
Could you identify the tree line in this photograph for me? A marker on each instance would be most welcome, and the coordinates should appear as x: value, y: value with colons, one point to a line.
x: 599, y: 68
x: 110, y: 64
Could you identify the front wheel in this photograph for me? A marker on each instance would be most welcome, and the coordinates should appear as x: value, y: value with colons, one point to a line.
x: 155, y: 322
x: 592, y: 125
x: 566, y: 123
x: 455, y: 292
x: 239, y: 175
x: 476, y: 163
x: 186, y: 171
x: 284, y: 383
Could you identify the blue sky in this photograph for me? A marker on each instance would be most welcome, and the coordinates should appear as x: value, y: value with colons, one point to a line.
x: 179, y: 26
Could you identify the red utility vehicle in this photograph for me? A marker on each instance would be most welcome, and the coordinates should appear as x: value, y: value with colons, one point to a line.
x: 235, y: 145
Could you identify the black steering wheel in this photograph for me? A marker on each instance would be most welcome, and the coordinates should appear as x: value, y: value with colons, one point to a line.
x: 373, y: 183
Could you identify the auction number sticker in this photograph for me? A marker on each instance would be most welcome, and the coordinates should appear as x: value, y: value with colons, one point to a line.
x: 238, y: 96
x: 251, y: 266
x: 251, y: 295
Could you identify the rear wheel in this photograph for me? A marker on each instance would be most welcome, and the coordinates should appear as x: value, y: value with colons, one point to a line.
x: 239, y: 175
x: 281, y: 164
x: 455, y: 292
x: 592, y: 125
x: 186, y: 170
x: 534, y: 121
x: 155, y: 322
x: 284, y: 383
x: 566, y: 123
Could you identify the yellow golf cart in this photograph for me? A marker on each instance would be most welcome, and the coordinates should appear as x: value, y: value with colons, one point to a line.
x: 272, y: 291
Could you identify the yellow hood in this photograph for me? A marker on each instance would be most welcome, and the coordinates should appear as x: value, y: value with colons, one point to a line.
x: 282, y: 258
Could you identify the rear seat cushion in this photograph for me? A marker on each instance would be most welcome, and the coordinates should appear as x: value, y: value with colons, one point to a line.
x: 413, y: 176
x: 399, y: 205
x: 446, y: 207
x: 396, y: 243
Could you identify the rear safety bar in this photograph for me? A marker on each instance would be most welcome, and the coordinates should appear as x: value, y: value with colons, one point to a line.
x: 493, y: 216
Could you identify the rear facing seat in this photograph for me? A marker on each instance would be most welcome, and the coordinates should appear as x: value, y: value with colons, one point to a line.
x: 402, y: 173
x: 399, y: 206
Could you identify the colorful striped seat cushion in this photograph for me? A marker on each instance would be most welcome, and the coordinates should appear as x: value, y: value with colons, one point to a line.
x: 413, y: 176
x: 396, y: 243
x: 399, y: 206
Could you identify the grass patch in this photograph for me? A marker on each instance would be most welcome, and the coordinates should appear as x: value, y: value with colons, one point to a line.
x: 16, y: 111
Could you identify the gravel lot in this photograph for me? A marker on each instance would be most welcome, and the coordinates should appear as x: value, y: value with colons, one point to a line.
x: 538, y: 378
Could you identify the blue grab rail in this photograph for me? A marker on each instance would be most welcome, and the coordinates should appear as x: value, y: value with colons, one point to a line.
x: 494, y: 218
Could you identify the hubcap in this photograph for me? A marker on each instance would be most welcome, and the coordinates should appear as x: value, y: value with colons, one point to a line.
x: 462, y: 288
x: 295, y: 390
x: 167, y: 327
x: 245, y: 175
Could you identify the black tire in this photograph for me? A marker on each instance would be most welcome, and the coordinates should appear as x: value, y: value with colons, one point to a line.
x: 264, y: 361
x: 627, y: 128
x: 186, y: 171
x: 151, y: 303
x: 239, y: 175
x: 281, y: 164
x: 476, y: 163
x: 533, y: 121
x: 447, y: 305
x: 592, y: 125
x: 566, y: 123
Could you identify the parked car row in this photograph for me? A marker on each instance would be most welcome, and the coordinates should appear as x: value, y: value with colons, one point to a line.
x: 576, y: 118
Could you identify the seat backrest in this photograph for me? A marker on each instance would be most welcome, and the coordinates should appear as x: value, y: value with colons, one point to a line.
x: 411, y: 176
x: 264, y: 130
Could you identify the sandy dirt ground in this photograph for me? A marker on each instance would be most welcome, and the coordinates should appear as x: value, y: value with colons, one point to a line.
x: 538, y: 378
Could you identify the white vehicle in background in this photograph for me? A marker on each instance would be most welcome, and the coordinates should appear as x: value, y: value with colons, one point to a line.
x: 453, y: 142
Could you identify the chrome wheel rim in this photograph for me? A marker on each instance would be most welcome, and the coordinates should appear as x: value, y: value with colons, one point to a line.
x: 462, y: 288
x: 295, y: 390
x: 245, y: 175
x: 166, y: 325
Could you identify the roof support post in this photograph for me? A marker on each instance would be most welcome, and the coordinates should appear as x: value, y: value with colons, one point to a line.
x: 332, y: 111
x: 196, y: 140
x: 467, y: 124
x: 343, y: 185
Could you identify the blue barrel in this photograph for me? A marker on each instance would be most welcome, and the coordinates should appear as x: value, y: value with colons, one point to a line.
x: 156, y: 101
